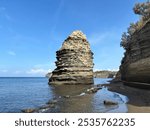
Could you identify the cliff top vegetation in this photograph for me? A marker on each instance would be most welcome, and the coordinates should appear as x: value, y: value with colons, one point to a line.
x: 143, y: 10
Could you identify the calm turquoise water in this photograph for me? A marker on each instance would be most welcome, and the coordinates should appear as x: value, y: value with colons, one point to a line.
x: 21, y: 93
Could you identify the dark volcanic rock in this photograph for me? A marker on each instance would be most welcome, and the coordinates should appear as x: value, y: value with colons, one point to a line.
x: 74, y: 61
x: 135, y: 67
x: 108, y: 102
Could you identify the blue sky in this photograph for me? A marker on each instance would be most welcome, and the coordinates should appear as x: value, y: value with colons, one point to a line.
x: 31, y: 31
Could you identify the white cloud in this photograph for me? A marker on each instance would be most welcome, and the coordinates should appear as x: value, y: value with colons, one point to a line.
x: 50, y: 65
x: 97, y: 38
x: 42, y: 65
x: 38, y: 71
x: 3, y: 71
x: 102, y: 37
x: 4, y: 14
x: 8, y: 17
x: 12, y: 53
x: 2, y: 9
x: 57, y: 15
x: 18, y: 72
x: 106, y: 69
x: 113, y: 69
x: 96, y: 69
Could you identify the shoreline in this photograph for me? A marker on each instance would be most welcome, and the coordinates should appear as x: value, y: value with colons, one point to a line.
x: 81, y: 101
x: 139, y: 99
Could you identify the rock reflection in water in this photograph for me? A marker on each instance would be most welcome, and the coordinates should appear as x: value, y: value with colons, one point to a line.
x: 73, y: 98
x: 71, y: 90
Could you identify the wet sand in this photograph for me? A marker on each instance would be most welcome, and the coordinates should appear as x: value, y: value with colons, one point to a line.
x: 138, y: 109
x: 139, y: 99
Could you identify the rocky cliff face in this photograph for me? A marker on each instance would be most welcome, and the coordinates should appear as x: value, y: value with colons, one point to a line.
x: 135, y: 67
x: 74, y: 61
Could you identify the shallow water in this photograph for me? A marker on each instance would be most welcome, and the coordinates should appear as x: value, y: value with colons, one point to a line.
x: 21, y: 93
x: 105, y: 94
x: 90, y: 103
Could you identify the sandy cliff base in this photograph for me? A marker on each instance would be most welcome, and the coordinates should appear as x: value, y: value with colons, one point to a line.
x: 137, y: 109
x: 139, y: 99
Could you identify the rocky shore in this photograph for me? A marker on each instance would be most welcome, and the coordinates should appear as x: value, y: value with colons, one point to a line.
x: 83, y: 98
x: 109, y: 97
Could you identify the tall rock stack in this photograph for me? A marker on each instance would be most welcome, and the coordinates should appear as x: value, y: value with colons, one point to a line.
x: 74, y: 61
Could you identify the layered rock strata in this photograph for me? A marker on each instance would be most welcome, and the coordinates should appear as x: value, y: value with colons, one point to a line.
x: 105, y: 74
x: 135, y: 67
x: 74, y: 61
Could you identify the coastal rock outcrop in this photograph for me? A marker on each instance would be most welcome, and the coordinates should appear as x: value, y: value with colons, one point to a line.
x: 135, y: 66
x: 74, y: 61
x: 105, y: 74
x: 48, y: 75
x: 97, y: 74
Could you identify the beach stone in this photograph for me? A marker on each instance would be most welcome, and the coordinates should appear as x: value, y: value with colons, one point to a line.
x: 52, y: 102
x: 66, y: 96
x: 108, y: 102
x: 43, y: 110
x: 30, y: 110
x: 74, y: 63
x: 52, y: 105
x: 46, y: 107
x: 43, y: 107
x: 82, y: 94
x: 93, y: 90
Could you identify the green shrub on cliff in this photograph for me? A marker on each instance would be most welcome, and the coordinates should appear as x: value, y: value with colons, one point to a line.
x: 124, y: 40
x: 142, y: 9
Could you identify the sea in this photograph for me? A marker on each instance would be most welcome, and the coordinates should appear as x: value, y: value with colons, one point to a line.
x: 18, y: 93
